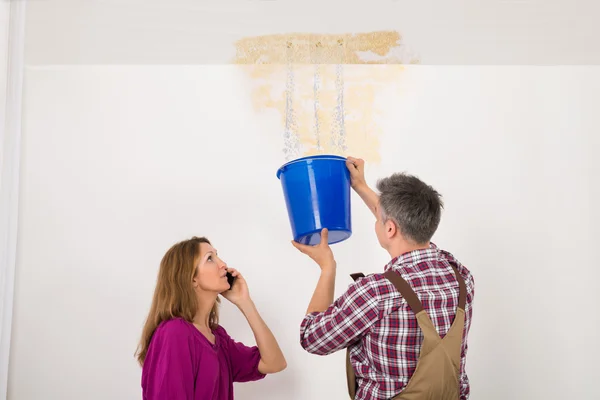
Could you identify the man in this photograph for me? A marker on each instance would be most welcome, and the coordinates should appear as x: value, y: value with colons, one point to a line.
x: 386, y: 327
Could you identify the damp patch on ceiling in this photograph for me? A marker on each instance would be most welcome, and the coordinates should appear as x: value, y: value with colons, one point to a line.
x: 325, y: 87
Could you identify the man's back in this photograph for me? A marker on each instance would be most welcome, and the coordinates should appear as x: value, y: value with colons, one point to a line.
x: 380, y: 329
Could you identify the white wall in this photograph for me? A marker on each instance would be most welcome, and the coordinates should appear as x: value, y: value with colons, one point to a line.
x: 4, y: 25
x: 12, y: 28
x: 121, y: 162
x: 5, y: 329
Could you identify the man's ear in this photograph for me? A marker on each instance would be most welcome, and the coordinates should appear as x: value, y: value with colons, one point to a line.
x: 390, y: 228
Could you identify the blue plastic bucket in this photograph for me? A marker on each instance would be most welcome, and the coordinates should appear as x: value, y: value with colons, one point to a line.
x: 317, y: 196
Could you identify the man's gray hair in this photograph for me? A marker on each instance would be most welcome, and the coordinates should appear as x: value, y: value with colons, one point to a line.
x: 412, y: 204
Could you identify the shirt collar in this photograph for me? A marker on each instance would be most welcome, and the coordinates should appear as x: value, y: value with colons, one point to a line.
x: 414, y: 257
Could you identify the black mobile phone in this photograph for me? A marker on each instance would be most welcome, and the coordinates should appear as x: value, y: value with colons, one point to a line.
x: 230, y: 280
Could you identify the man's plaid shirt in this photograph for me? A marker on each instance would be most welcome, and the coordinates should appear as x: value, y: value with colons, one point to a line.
x: 374, y: 321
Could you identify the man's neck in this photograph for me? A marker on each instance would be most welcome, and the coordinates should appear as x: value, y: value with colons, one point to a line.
x: 401, y: 247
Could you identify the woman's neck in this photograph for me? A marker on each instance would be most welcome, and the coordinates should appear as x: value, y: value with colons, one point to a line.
x: 206, y: 301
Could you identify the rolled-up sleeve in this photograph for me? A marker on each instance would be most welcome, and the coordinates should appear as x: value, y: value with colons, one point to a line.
x: 244, y: 359
x: 344, y: 322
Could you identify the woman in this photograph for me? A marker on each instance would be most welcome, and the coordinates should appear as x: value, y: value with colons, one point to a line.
x: 184, y: 352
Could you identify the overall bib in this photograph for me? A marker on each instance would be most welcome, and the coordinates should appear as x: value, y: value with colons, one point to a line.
x: 437, y: 374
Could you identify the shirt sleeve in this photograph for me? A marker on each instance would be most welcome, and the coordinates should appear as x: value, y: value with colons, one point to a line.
x: 344, y: 322
x: 244, y: 359
x: 168, y: 368
x: 464, y: 380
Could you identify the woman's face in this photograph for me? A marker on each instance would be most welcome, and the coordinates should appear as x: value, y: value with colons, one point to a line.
x: 210, y: 271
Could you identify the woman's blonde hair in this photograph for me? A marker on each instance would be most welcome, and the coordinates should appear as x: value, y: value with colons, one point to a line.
x: 174, y: 295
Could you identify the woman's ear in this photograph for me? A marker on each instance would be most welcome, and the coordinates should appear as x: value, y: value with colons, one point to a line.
x: 196, y: 280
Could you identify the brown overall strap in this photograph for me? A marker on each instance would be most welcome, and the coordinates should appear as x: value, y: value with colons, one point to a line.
x: 405, y: 290
x: 350, y: 375
x: 411, y: 297
x: 438, y: 357
x: 437, y: 372
x: 416, y: 306
x: 462, y: 289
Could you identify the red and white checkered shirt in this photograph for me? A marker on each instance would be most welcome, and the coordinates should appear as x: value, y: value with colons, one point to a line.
x: 374, y: 321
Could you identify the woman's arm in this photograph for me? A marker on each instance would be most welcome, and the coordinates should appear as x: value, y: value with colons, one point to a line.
x: 271, y: 356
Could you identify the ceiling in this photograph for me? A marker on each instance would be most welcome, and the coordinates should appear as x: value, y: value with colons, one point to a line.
x: 540, y: 32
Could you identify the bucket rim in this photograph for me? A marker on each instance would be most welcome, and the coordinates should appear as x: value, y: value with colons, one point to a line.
x: 331, y: 157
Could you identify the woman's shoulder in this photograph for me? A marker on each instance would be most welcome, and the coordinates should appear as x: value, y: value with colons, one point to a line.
x: 174, y: 327
x: 222, y: 333
x: 219, y: 330
x: 229, y: 341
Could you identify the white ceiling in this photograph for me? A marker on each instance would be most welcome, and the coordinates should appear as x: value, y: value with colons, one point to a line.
x: 544, y: 32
